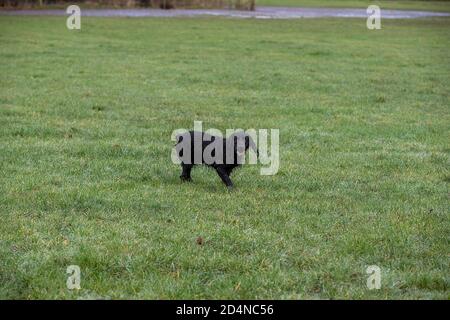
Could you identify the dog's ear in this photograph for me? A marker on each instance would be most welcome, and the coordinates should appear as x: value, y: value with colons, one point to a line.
x: 247, y: 142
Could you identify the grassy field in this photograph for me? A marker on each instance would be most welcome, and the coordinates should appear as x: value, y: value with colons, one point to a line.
x: 86, y: 176
x: 443, y: 5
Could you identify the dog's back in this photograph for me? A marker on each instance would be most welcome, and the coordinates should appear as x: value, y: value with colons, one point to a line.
x: 196, y: 142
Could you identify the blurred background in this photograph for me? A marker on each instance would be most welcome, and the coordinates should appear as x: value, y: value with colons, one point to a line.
x: 164, y: 4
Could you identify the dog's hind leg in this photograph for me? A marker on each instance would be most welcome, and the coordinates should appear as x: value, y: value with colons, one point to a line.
x: 228, y: 171
x: 186, y: 173
x: 225, y: 178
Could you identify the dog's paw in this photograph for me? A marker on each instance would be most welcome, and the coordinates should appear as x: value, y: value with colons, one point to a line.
x: 185, y: 179
x: 230, y: 188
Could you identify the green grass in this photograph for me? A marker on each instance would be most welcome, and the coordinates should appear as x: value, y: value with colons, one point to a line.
x: 443, y: 5
x: 86, y: 176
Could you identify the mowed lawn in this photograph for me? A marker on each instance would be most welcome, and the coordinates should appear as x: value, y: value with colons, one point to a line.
x: 86, y: 177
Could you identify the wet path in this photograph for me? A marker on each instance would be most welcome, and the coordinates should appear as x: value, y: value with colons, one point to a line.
x: 260, y: 13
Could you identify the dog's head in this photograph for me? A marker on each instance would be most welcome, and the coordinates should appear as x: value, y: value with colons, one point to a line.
x: 242, y: 142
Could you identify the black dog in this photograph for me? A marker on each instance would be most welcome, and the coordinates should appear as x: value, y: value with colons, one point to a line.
x: 229, y: 155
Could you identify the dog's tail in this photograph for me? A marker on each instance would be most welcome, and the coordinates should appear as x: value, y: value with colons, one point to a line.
x: 180, y: 136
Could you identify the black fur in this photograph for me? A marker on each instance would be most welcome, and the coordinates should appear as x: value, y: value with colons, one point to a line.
x: 223, y: 169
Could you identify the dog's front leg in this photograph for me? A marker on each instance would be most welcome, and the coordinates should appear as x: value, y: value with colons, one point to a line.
x: 186, y: 174
x: 225, y: 178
